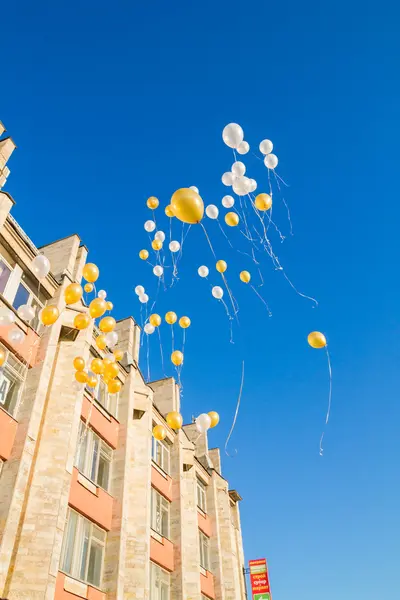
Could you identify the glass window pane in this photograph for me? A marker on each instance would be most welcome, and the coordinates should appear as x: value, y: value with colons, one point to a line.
x: 69, y: 539
x: 103, y: 474
x: 4, y: 276
x: 21, y: 297
x: 85, y: 547
x: 95, y: 454
x: 9, y: 390
x: 95, y: 563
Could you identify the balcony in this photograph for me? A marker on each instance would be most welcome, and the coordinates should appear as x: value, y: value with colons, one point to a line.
x: 204, y: 523
x: 90, y: 500
x: 68, y: 588
x: 8, y: 428
x: 161, y: 551
x: 207, y: 584
x: 104, y: 424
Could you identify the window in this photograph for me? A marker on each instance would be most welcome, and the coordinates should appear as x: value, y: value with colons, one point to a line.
x: 83, y: 549
x: 201, y: 496
x: 12, y: 375
x: 159, y: 583
x: 22, y: 296
x: 5, y: 273
x: 106, y: 400
x: 93, y: 457
x: 204, y: 551
x: 160, y: 454
x: 159, y: 513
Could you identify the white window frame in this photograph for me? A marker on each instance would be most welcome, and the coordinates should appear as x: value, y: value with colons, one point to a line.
x: 204, y: 543
x: 90, y: 449
x: 160, y: 514
x: 160, y: 455
x: 160, y: 583
x: 74, y: 547
x: 201, y: 495
x: 10, y: 291
x: 11, y: 269
x: 14, y: 372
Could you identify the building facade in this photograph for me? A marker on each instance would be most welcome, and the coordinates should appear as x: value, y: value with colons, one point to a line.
x: 91, y: 505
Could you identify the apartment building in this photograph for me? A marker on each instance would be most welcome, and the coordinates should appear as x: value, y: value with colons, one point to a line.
x: 91, y: 505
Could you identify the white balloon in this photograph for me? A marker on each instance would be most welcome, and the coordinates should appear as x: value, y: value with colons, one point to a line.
x: 26, y: 312
x: 149, y: 328
x: 243, y: 148
x: 40, y: 266
x: 149, y: 226
x: 266, y: 147
x: 232, y: 135
x: 139, y: 290
x: 217, y: 292
x: 228, y: 178
x: 158, y: 270
x: 174, y: 246
x: 203, y: 271
x: 241, y: 186
x: 111, y: 339
x: 110, y: 356
x: 228, y: 201
x: 194, y: 188
x: 252, y: 185
x: 212, y: 211
x: 6, y: 316
x: 76, y: 386
x: 160, y: 235
x: 203, y: 423
x: 238, y: 168
x: 102, y: 294
x: 16, y: 336
x: 271, y: 161
x: 143, y: 298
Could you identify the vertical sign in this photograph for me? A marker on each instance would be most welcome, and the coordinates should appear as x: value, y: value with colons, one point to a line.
x: 259, y: 579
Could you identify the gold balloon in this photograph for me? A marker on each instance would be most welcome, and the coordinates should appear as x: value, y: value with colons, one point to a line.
x: 159, y: 432
x: 101, y: 342
x: 263, y: 202
x: 81, y: 376
x: 88, y: 287
x: 177, y: 358
x: 110, y: 305
x: 111, y: 370
x: 143, y: 254
x: 245, y: 276
x: 231, y: 219
x: 107, y: 324
x: 97, y: 366
x: 184, y: 322
x: 174, y: 420
x: 152, y: 202
x: 92, y: 381
x: 214, y: 416
x: 106, y: 361
x: 156, y: 244
x: 2, y: 357
x: 72, y: 293
x: 171, y: 317
x: 316, y: 339
x: 79, y: 363
x: 82, y: 321
x: 187, y: 206
x: 155, y: 320
x: 221, y: 266
x: 49, y: 315
x: 97, y: 308
x: 168, y: 211
x: 118, y: 354
x: 114, y: 386
x: 91, y: 272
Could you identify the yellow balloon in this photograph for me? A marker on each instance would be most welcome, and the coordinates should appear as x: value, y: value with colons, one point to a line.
x: 107, y: 324
x: 72, y: 293
x: 245, y: 276
x: 111, y: 370
x: 101, y: 342
x: 82, y: 321
x: 2, y: 357
x: 79, y: 363
x: 156, y: 244
x: 231, y: 219
x: 316, y: 339
x: 110, y: 305
x: 88, y: 288
x: 174, y: 420
x: 214, y: 416
x: 221, y: 266
x: 177, y: 358
x: 97, y: 366
x: 152, y: 202
x: 92, y: 381
x: 91, y: 272
x: 187, y: 206
x: 184, y: 322
x: 49, y: 315
x: 97, y: 308
x: 171, y: 317
x: 155, y: 320
x: 114, y: 386
x: 263, y: 202
x: 106, y: 362
x: 118, y: 354
x: 159, y: 432
x: 143, y: 254
x: 81, y: 376
x: 168, y: 211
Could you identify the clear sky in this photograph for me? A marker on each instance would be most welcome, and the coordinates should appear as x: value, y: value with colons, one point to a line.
x: 110, y: 103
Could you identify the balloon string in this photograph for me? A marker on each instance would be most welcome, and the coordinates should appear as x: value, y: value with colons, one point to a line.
x: 208, y: 240
x: 284, y: 202
x: 230, y: 321
x: 236, y: 412
x: 155, y: 300
x: 297, y: 291
x: 262, y: 300
x: 148, y: 357
x: 172, y: 337
x: 224, y: 234
x: 321, y: 450
x: 234, y: 303
x: 141, y: 324
x: 161, y: 351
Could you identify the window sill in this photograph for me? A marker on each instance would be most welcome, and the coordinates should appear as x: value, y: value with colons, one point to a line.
x: 81, y: 581
x: 160, y: 469
x: 157, y: 536
x: 89, y: 484
x: 109, y: 416
x: 201, y: 511
x: 203, y: 571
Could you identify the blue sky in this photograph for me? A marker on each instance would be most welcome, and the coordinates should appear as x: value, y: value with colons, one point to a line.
x: 111, y: 103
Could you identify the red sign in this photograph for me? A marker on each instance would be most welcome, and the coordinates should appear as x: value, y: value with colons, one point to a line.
x: 259, y: 579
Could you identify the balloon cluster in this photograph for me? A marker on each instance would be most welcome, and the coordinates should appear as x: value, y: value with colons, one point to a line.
x: 100, y: 369
x: 174, y: 419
